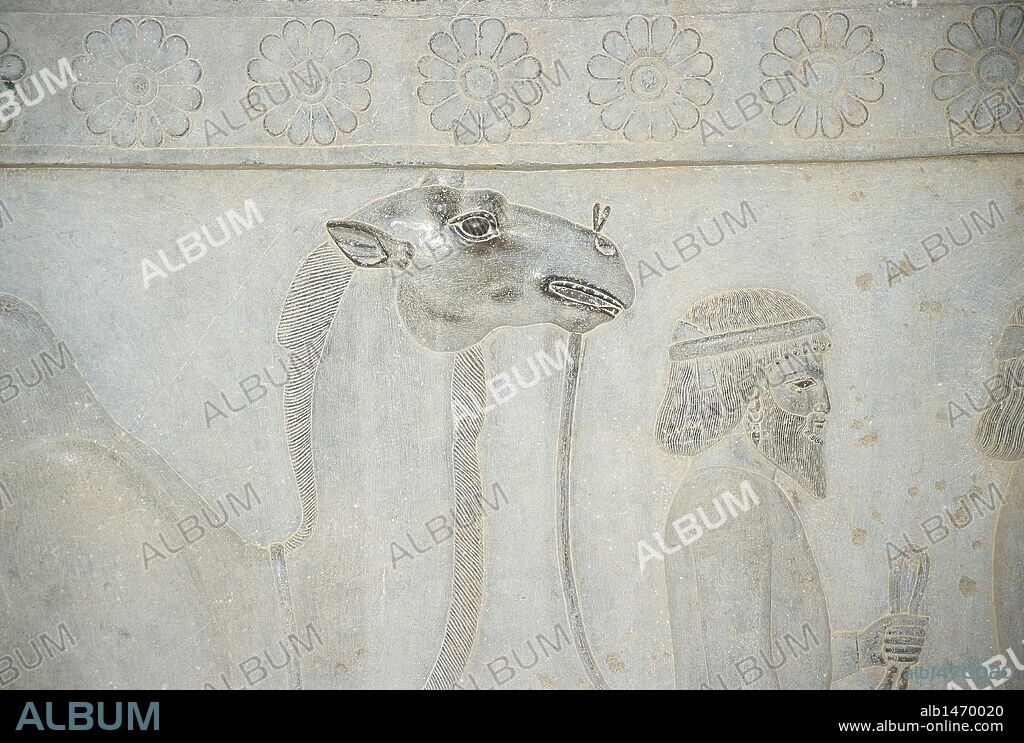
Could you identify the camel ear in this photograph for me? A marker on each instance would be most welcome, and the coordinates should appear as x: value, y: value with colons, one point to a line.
x: 368, y: 246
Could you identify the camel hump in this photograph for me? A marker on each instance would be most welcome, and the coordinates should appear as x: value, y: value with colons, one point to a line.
x: 102, y: 556
x: 42, y: 391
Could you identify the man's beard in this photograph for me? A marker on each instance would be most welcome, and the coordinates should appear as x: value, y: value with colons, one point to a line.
x: 794, y: 443
x: 999, y: 431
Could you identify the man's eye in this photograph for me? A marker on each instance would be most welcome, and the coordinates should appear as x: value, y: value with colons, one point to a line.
x: 802, y: 384
x: 476, y: 226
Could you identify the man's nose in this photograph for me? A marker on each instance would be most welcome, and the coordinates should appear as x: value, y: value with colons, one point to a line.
x: 823, y: 404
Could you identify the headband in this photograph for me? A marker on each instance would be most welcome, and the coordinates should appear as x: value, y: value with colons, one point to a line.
x: 711, y: 345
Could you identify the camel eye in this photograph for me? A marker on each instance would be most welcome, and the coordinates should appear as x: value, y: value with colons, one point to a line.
x: 802, y: 385
x: 476, y: 226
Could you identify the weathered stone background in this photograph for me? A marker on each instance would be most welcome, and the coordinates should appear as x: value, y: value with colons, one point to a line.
x: 826, y: 220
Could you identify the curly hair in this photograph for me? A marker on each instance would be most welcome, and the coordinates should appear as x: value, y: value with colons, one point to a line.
x: 708, y: 393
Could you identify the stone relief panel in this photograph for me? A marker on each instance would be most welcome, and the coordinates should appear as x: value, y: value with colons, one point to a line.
x: 511, y: 345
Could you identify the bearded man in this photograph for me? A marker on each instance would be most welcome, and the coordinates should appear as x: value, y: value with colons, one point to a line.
x: 999, y: 434
x: 747, y: 399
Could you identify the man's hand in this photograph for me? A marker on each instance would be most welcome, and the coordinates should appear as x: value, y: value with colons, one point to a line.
x: 895, y: 638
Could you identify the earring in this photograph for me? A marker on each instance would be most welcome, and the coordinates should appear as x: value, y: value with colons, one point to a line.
x: 755, y: 415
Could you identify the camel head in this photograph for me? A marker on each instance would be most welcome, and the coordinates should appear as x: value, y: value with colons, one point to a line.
x: 468, y: 261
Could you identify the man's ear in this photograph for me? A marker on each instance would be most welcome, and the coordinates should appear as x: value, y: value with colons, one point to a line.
x: 368, y: 246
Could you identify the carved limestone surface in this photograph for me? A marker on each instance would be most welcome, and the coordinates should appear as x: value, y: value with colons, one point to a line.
x: 511, y: 344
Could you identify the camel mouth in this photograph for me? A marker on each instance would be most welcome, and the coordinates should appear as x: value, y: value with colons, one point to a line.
x: 585, y: 295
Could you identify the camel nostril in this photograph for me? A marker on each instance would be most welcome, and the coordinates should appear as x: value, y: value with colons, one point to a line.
x: 509, y: 293
x: 604, y: 246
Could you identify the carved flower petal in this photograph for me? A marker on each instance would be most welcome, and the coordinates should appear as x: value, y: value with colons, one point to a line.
x: 434, y: 68
x: 638, y: 31
x: 686, y: 43
x: 809, y: 27
x: 151, y: 134
x: 865, y: 88
x: 444, y: 46
x: 87, y: 96
x: 434, y: 92
x: 617, y: 46
x: 5, y: 41
x: 526, y: 92
x: 324, y: 131
x: 273, y: 48
x: 837, y: 25
x: 786, y: 111
x: 775, y: 89
x: 344, y: 50
x: 952, y: 60
x: 464, y: 32
x: 296, y: 36
x: 447, y: 115
x: 683, y: 112
x: 984, y: 117
x: 775, y: 65
x: 806, y: 125
x: 174, y: 121
x: 102, y: 49
x: 101, y: 118
x: 469, y: 128
x: 279, y: 117
x: 1017, y: 93
x: 515, y: 46
x: 299, y: 128
x: 853, y: 111
x: 663, y: 127
x: 13, y: 67
x: 1011, y: 121
x: 962, y: 37
x: 946, y: 87
x: 260, y: 70
x: 354, y: 97
x: 321, y: 38
x: 698, y: 65
x: 663, y: 32
x: 492, y: 33
x: 615, y: 115
x: 697, y: 90
x: 1011, y: 20
x: 262, y: 98
x: 518, y: 116
x: 344, y: 120
x: 638, y: 127
x: 985, y: 24
x: 866, y: 64
x: 122, y: 32
x: 357, y: 71
x: 122, y: 131
x: 962, y: 107
x: 186, y: 72
x: 858, y: 41
x: 788, y: 43
x: 495, y: 127
x: 831, y: 122
x: 185, y: 97
x: 527, y: 68
x: 606, y: 91
x: 602, y: 67
x: 150, y: 37
x: 88, y: 70
x: 173, y: 50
